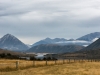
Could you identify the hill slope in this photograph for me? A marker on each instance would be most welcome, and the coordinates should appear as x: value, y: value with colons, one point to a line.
x: 94, y: 46
x: 91, y: 51
x: 53, y: 48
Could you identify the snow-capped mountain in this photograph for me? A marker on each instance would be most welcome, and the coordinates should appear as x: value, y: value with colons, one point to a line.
x: 10, y: 42
x: 90, y: 37
x: 83, y: 41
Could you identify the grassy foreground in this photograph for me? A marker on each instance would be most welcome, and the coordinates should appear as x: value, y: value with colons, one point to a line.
x: 77, y: 68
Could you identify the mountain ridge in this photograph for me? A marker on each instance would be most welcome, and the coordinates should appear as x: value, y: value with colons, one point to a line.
x: 83, y: 41
x: 90, y: 37
x: 49, y: 41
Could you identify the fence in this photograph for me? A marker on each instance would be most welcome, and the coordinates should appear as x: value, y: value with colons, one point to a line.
x: 9, y: 65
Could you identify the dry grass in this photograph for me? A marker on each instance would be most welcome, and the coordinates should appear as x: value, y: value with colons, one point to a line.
x: 77, y: 68
x: 10, y: 65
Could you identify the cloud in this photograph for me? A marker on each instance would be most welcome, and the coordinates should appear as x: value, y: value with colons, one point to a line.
x: 49, y: 18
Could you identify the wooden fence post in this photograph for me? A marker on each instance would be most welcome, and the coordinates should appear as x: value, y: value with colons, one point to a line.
x: 82, y: 59
x: 17, y: 64
x: 95, y: 60
x: 79, y: 60
x: 63, y: 61
x: 46, y: 62
x: 33, y: 62
x: 88, y: 59
x: 55, y: 62
x: 91, y: 60
x: 69, y: 60
x: 74, y: 60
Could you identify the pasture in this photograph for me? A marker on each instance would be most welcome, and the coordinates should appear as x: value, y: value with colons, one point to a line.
x: 60, y: 68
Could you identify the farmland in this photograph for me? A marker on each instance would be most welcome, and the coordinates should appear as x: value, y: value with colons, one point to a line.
x: 69, y: 68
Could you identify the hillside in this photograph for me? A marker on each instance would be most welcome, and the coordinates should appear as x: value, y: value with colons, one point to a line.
x: 94, y: 46
x: 53, y: 48
x: 91, y: 51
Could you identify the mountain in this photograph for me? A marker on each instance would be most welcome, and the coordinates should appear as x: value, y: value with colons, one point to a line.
x: 90, y: 37
x: 49, y: 41
x: 29, y: 46
x: 62, y: 41
x: 54, y: 48
x: 10, y: 42
x: 92, y: 51
x: 83, y: 41
x: 95, y: 45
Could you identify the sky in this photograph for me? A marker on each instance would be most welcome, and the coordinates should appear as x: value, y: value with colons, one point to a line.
x: 34, y: 20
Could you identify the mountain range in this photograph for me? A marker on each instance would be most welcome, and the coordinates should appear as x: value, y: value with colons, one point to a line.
x: 49, y: 41
x: 10, y: 42
x: 83, y: 41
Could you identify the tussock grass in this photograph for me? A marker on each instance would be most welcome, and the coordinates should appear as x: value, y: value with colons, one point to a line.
x: 77, y: 68
x: 10, y: 65
x: 68, y: 68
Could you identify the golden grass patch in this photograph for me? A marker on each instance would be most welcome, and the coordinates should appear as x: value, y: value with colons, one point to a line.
x: 74, y: 68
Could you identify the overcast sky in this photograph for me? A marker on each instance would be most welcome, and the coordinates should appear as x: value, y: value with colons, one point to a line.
x: 33, y: 20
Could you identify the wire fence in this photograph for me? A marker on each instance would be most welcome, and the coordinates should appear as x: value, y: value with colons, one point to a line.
x: 24, y: 64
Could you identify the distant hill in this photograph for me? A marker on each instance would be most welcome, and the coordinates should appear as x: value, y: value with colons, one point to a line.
x: 53, y: 48
x: 90, y: 37
x: 10, y: 42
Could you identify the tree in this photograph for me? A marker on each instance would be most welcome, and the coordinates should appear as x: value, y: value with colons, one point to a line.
x: 8, y: 54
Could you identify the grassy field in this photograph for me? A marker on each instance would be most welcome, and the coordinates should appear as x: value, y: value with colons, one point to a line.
x: 10, y: 65
x: 75, y: 68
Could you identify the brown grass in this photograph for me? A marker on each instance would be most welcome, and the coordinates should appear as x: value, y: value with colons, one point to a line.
x: 75, y: 68
x: 10, y: 65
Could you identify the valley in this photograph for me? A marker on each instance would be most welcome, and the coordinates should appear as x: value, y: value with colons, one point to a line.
x: 51, y: 58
